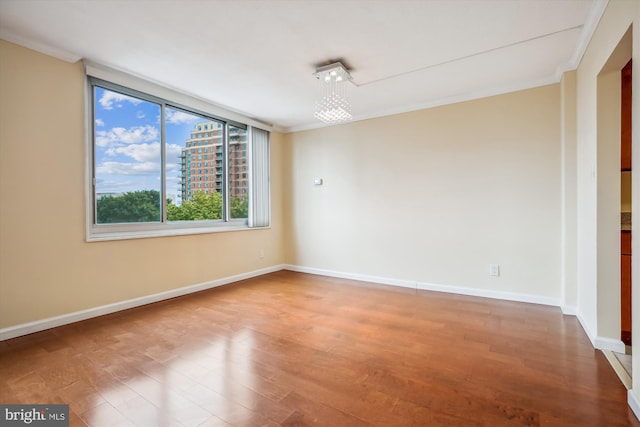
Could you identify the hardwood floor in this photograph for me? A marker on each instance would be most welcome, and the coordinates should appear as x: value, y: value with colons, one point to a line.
x: 291, y: 349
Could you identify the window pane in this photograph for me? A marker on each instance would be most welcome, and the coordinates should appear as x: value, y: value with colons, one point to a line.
x: 185, y: 141
x: 197, y: 174
x: 127, y: 158
x: 238, y: 197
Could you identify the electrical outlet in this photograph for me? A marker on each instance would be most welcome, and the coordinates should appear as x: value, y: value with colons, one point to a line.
x: 494, y: 270
x: 261, y: 253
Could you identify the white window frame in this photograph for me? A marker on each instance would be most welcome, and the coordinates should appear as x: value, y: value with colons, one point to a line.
x: 101, y: 232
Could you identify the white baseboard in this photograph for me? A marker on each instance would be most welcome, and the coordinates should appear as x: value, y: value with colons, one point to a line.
x: 511, y: 296
x: 352, y: 276
x: 612, y: 344
x: 487, y: 293
x: 569, y: 310
x: 601, y: 343
x: 586, y: 329
x: 634, y: 402
x: 52, y: 322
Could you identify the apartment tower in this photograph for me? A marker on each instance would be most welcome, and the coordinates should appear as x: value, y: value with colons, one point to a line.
x: 202, y: 161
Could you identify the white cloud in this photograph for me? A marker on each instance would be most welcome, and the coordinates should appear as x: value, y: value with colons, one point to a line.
x: 141, y: 152
x: 121, y: 168
x: 141, y: 146
x: 106, y: 185
x: 172, y: 167
x: 173, y: 151
x: 177, y: 117
x: 109, y: 98
x: 146, y: 152
x: 133, y: 135
x: 140, y: 114
x: 99, y: 122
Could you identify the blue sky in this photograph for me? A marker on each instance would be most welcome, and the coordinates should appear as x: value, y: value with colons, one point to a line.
x: 127, y: 145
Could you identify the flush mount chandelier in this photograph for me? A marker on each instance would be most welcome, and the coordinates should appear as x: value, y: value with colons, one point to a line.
x: 334, y: 106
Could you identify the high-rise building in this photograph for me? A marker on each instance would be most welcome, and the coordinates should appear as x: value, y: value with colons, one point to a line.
x: 202, y: 161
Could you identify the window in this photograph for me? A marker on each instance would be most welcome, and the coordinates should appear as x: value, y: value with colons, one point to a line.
x: 140, y: 168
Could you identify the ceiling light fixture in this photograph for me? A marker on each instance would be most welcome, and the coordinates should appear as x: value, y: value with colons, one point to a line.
x: 334, y: 106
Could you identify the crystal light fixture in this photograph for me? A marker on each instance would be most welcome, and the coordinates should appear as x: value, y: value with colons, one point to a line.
x: 334, y: 106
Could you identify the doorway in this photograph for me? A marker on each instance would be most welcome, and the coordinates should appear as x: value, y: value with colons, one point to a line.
x: 625, y: 203
x: 626, y: 170
x: 614, y: 207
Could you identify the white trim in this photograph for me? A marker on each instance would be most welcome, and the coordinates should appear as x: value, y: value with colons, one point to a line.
x: 634, y: 403
x: 602, y: 343
x: 129, y: 231
x: 488, y: 293
x: 595, y: 14
x: 618, y: 368
x: 586, y: 329
x: 46, y: 49
x: 352, y: 276
x: 52, y: 322
x: 569, y: 310
x: 485, y: 293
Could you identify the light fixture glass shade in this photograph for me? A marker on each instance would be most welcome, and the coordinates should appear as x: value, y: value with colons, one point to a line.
x: 334, y: 106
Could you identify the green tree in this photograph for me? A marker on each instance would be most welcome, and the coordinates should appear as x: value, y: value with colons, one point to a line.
x: 201, y: 206
x: 239, y: 207
x: 133, y: 206
x: 144, y: 206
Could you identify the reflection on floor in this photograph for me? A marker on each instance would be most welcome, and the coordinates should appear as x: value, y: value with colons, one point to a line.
x: 294, y: 349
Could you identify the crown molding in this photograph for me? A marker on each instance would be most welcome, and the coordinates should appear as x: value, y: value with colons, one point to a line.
x: 55, y: 52
x: 588, y: 29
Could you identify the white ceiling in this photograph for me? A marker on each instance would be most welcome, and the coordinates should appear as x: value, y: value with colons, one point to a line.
x: 257, y: 57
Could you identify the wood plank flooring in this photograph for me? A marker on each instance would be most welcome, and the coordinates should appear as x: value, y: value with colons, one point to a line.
x: 290, y: 349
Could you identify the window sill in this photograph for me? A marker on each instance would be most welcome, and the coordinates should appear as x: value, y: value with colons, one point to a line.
x: 100, y: 233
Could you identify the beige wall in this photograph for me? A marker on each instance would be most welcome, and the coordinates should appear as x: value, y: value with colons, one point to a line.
x: 46, y: 267
x: 568, y: 198
x: 435, y: 196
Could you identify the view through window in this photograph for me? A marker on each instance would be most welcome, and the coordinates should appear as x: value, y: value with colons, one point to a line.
x: 156, y: 163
